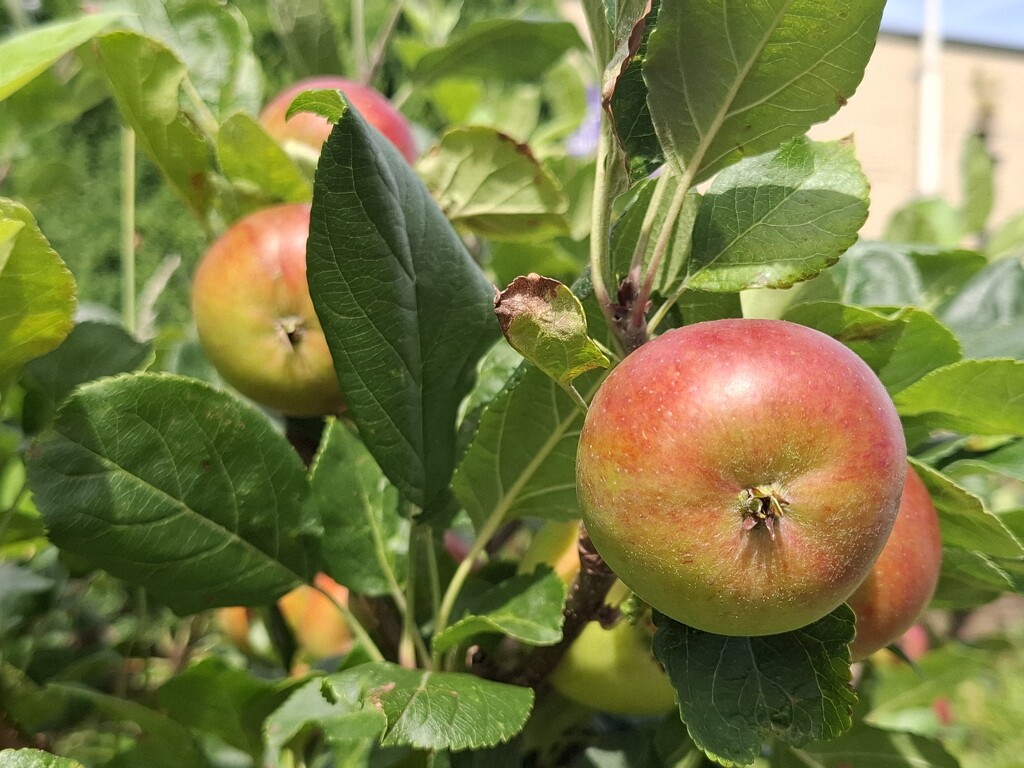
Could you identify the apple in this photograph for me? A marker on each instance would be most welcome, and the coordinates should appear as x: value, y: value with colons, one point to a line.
x: 741, y: 476
x: 311, y: 131
x: 608, y: 668
x: 255, y: 317
x: 903, y: 579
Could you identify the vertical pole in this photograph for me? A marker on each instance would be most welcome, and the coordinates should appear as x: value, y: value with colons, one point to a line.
x: 929, y: 112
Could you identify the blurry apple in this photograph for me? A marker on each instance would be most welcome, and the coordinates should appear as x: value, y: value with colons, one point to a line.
x: 903, y: 579
x: 311, y: 131
x: 255, y: 317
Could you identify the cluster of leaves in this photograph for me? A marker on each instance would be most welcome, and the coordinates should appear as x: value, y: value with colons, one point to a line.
x: 195, y: 499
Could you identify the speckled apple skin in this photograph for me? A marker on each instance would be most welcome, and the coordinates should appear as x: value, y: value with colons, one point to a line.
x: 903, y: 579
x: 248, y: 283
x: 688, y: 422
x: 312, y: 130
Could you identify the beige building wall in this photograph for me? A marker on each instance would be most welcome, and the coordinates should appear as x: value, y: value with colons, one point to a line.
x: 882, y: 117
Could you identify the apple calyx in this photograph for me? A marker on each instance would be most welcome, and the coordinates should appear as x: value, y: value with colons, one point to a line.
x: 762, y: 505
x: 293, y: 328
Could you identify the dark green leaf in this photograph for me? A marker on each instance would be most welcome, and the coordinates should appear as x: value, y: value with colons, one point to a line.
x: 146, y: 79
x: 37, y: 292
x: 366, y: 541
x: 92, y: 350
x: 965, y: 523
x: 773, y: 220
x: 27, y: 55
x: 900, y: 345
x: 229, y: 703
x: 523, y: 459
x: 494, y: 186
x: 252, y: 160
x: 34, y: 758
x: 501, y: 49
x: 737, y: 692
x: 987, y: 315
x: 406, y: 311
x: 977, y: 169
x: 544, y: 322
x: 175, y: 486
x: 983, y: 397
x: 724, y: 85
x: 436, y: 710
x: 527, y: 607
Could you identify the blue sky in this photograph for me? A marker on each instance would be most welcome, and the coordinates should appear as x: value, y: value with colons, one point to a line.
x: 987, y: 22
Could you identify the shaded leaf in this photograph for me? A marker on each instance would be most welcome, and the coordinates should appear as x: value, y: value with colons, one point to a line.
x: 1007, y: 460
x: 932, y: 221
x: 866, y: 747
x: 365, y: 543
x: 436, y: 710
x: 146, y: 80
x: 984, y: 397
x: 406, y: 311
x: 977, y: 169
x: 724, y: 85
x: 969, y: 579
x: 26, y: 55
x: 507, y: 50
x: 177, y: 487
x: 494, y: 186
x: 527, y: 608
x: 736, y: 692
x: 92, y: 350
x: 773, y: 220
x: 34, y: 758
x: 544, y: 322
x: 987, y: 315
x: 251, y: 159
x: 1007, y: 240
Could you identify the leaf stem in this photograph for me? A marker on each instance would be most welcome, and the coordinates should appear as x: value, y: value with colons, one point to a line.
x: 357, y: 14
x: 357, y: 628
x: 18, y: 14
x: 647, y: 226
x: 204, y: 117
x: 576, y: 396
x: 380, y: 46
x: 601, y: 206
x: 127, y: 240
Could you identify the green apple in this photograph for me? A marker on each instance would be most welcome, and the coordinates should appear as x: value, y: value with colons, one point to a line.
x: 255, y: 317
x: 741, y: 476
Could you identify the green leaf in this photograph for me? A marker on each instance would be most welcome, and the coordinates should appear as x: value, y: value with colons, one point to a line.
x: 987, y: 315
x: 627, y: 103
x: 494, y: 186
x: 969, y: 579
x: 523, y: 458
x: 366, y: 542
x: 326, y: 102
x: 773, y: 220
x: 977, y: 169
x: 943, y: 272
x: 91, y: 351
x: 26, y: 55
x: 551, y: 258
x: 527, y: 608
x: 252, y: 160
x: 146, y: 79
x: 509, y: 50
x: 406, y: 311
x: 866, y: 747
x: 724, y: 85
x: 307, y: 713
x: 34, y: 758
x: 544, y: 322
x: 736, y: 692
x: 160, y: 743
x: 1008, y: 240
x: 964, y: 521
x: 900, y: 345
x: 932, y: 221
x: 437, y: 710
x: 1007, y: 461
x: 177, y: 487
x: 982, y: 397
x: 231, y: 704
x: 213, y: 41
x: 626, y: 233
x: 37, y: 292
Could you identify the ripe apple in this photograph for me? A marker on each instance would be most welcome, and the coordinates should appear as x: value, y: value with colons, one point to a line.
x: 255, y: 317
x: 741, y: 476
x: 903, y: 579
x: 311, y: 131
x: 611, y: 669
